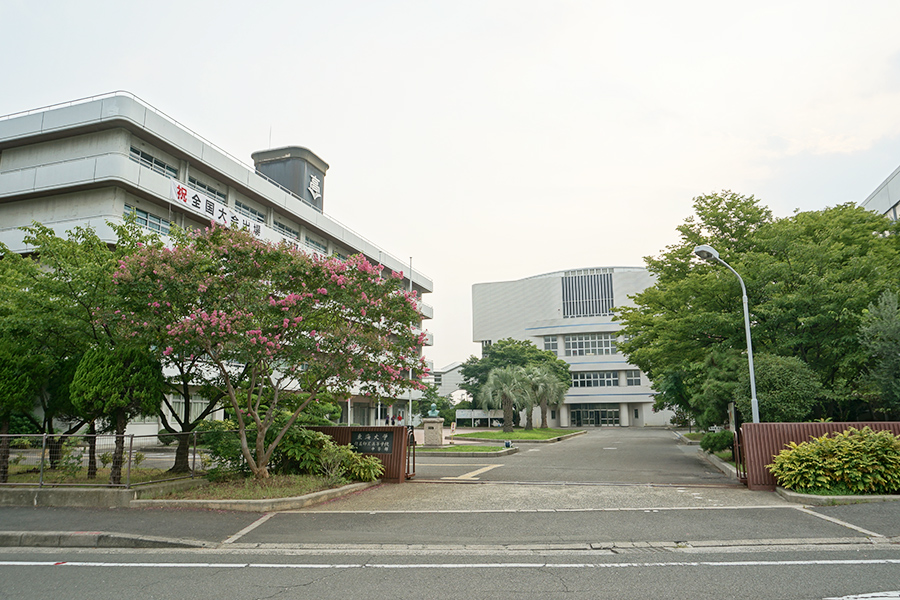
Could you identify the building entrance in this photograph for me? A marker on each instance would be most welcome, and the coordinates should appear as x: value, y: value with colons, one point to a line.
x: 593, y: 415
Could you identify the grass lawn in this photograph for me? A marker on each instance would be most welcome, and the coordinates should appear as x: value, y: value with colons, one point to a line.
x: 695, y: 436
x: 519, y: 434
x: 32, y: 475
x: 248, y: 488
x: 461, y: 448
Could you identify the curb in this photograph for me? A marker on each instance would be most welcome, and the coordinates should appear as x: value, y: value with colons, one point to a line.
x: 268, y: 505
x: 816, y: 500
x: 684, y: 440
x: 548, y: 441
x: 720, y: 464
x: 503, y: 452
x: 92, y: 539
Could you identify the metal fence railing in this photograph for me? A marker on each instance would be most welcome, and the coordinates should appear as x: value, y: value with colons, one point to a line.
x: 93, y: 460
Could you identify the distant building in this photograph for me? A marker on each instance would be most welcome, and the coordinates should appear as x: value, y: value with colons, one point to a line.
x: 886, y: 197
x: 570, y: 314
x: 448, y: 381
x: 93, y: 161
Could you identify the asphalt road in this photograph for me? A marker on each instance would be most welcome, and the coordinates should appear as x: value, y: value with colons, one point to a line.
x: 616, y: 513
x: 607, y: 454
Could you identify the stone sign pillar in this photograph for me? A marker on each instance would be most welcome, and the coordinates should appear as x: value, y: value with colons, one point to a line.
x: 434, y: 431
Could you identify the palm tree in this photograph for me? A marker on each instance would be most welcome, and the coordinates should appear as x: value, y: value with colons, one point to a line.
x: 545, y: 389
x: 503, y: 388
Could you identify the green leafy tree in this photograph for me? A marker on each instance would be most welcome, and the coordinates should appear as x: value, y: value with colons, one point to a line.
x: 20, y: 377
x: 506, y: 353
x: 50, y: 301
x: 787, y: 389
x: 879, y: 334
x: 808, y: 279
x: 118, y: 384
x: 545, y: 390
x: 504, y: 388
x: 271, y: 322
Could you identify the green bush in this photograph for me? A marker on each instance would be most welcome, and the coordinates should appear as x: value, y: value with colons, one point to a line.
x: 363, y: 468
x: 861, y: 462
x: 300, y: 451
x: 717, y: 442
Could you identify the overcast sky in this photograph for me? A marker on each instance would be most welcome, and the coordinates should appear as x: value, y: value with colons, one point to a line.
x: 493, y: 140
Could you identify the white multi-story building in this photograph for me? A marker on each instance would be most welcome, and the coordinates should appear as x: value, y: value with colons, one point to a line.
x: 570, y: 313
x: 95, y: 160
x: 886, y: 197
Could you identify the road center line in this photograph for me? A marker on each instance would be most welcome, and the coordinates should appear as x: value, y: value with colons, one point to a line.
x: 500, y: 565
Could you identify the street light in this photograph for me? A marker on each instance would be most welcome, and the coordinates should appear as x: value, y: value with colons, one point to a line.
x: 709, y: 254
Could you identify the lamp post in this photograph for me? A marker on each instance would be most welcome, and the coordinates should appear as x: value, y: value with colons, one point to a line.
x: 709, y: 254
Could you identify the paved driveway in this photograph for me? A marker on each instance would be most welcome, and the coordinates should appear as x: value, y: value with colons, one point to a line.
x: 602, y: 455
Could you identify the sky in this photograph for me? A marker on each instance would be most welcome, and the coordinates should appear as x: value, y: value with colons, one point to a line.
x: 493, y: 140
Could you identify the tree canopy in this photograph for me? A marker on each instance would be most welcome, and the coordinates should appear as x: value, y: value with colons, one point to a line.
x: 505, y: 353
x: 272, y: 322
x: 809, y: 278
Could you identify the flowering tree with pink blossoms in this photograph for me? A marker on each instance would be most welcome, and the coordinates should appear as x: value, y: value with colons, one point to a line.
x: 274, y: 326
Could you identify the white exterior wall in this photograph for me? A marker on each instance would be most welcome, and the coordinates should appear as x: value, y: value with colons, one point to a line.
x: 72, y: 165
x: 886, y: 198
x: 530, y: 309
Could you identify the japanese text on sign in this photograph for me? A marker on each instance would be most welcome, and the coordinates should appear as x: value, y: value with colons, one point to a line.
x: 373, y: 442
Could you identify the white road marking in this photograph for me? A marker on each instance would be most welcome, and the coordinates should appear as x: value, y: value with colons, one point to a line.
x: 839, y: 522
x: 501, y: 565
x: 249, y: 528
x: 472, y: 474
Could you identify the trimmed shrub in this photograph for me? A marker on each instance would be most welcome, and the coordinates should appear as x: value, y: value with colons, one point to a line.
x: 718, y: 441
x: 853, y: 461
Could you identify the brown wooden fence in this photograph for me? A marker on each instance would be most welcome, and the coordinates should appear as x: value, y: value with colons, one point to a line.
x: 388, y: 444
x: 761, y: 442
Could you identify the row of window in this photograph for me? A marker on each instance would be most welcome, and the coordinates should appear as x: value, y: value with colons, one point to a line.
x: 149, y: 220
x: 158, y: 224
x: 207, y: 189
x: 605, y: 378
x: 151, y: 162
x: 583, y: 344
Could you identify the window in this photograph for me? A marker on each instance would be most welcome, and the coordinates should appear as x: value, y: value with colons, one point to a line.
x: 632, y: 378
x: 485, y: 344
x: 286, y: 231
x: 148, y: 220
x: 590, y: 344
x: 147, y: 160
x: 587, y: 293
x: 198, y: 405
x: 314, y: 243
x: 249, y: 211
x: 550, y: 343
x: 438, y: 378
x: 595, y: 379
x: 206, y: 189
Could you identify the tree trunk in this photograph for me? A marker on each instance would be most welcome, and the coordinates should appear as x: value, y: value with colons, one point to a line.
x: 182, y: 453
x: 115, y: 472
x: 54, y: 449
x: 544, y: 414
x: 92, y: 452
x: 529, y: 418
x: 4, y: 450
x: 507, y: 416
